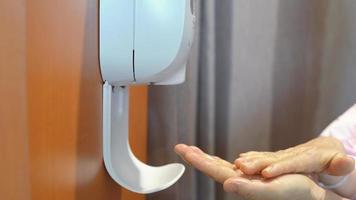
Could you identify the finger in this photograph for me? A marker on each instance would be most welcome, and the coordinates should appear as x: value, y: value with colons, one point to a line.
x: 181, y: 150
x: 249, y: 158
x: 224, y: 162
x: 250, y: 153
x: 255, y: 166
x: 341, y: 165
x: 249, y: 189
x: 218, y: 159
x: 202, y: 153
x: 205, y: 164
x: 209, y: 167
x: 265, y: 158
x: 288, y: 165
x: 241, y: 160
x: 238, y: 162
x: 240, y: 174
x: 197, y: 150
x: 184, y: 151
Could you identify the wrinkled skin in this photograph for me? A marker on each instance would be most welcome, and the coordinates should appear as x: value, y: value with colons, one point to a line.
x: 292, y: 187
x: 323, y: 154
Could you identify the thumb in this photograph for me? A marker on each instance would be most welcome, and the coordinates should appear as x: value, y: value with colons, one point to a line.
x: 341, y: 165
x: 249, y: 189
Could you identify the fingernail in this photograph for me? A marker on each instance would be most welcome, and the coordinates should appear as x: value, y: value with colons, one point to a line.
x: 267, y: 172
x: 240, y: 159
x: 181, y: 146
x: 196, y: 149
x: 246, y: 164
x: 268, y: 169
x: 209, y: 157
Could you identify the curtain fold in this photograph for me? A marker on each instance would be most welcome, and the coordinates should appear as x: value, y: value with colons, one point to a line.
x: 262, y: 75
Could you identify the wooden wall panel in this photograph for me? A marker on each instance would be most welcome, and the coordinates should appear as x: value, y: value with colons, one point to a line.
x: 14, y: 179
x: 65, y: 102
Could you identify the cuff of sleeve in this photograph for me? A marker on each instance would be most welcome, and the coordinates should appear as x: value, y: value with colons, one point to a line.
x: 340, y: 182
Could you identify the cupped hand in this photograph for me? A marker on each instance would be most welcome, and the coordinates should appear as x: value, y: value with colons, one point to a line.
x: 323, y: 154
x: 292, y: 187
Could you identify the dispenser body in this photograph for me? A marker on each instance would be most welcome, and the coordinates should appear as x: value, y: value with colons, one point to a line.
x: 145, y: 41
x: 141, y: 42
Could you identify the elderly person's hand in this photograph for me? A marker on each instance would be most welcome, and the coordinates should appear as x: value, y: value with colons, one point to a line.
x: 292, y: 187
x: 323, y: 154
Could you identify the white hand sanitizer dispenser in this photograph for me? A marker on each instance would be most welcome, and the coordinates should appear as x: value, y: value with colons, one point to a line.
x: 141, y: 42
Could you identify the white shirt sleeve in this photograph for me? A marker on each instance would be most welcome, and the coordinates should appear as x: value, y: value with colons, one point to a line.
x: 344, y: 129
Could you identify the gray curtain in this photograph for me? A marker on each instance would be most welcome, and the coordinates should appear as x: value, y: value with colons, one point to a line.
x: 263, y: 75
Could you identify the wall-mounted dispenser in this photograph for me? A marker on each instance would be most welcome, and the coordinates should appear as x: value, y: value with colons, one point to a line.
x: 141, y: 42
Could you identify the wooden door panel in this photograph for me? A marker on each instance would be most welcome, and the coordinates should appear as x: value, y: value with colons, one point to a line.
x: 14, y: 174
x: 50, y: 111
x: 64, y: 102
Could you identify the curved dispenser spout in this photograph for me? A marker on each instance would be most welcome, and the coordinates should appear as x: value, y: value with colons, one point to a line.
x: 121, y: 163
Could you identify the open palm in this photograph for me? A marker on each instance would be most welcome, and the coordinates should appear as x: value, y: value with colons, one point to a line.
x: 292, y: 186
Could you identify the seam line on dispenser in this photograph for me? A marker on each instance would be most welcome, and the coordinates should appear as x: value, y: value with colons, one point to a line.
x: 133, y: 65
x: 133, y: 41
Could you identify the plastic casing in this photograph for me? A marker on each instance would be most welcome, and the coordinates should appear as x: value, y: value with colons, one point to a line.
x: 145, y: 41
